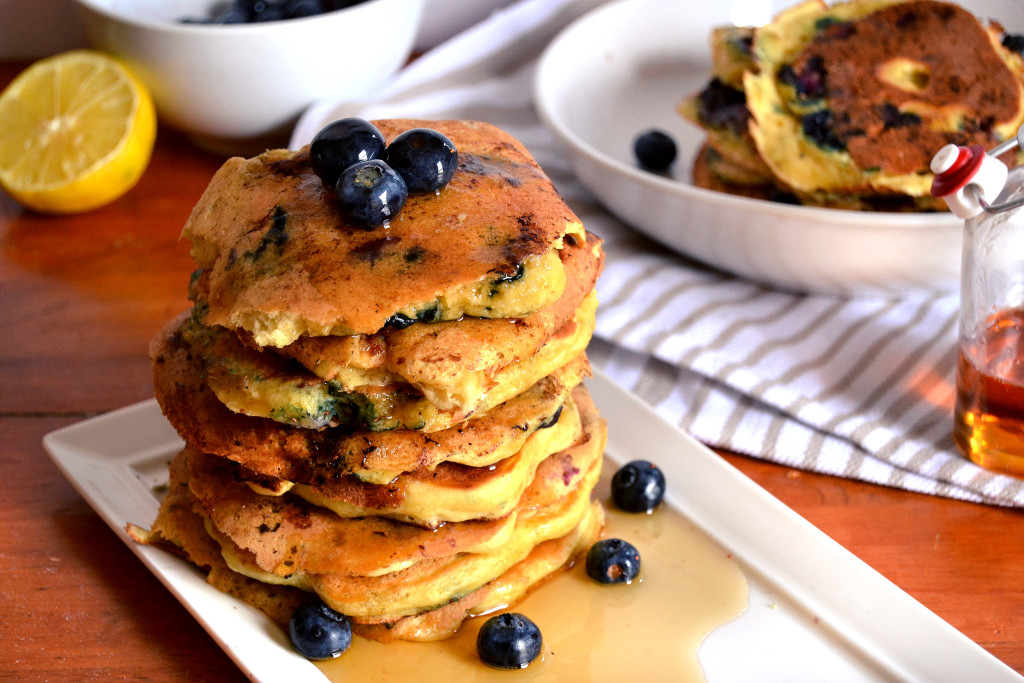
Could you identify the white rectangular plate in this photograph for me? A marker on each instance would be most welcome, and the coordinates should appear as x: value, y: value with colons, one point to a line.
x: 816, y: 612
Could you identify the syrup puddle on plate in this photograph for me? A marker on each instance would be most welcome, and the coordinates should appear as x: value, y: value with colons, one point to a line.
x: 688, y: 586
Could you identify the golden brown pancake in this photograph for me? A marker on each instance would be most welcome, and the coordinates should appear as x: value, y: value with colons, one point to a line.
x: 286, y: 534
x: 431, y: 583
x: 731, y: 53
x: 179, y: 528
x: 712, y: 172
x: 454, y: 493
x: 278, y: 260
x: 427, y: 583
x: 720, y: 110
x: 390, y: 421
x: 268, y: 385
x: 842, y: 105
x: 857, y: 97
x: 275, y: 450
x: 452, y: 363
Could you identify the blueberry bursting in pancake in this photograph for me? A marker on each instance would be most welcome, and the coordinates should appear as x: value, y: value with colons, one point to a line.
x: 846, y: 104
x: 383, y: 416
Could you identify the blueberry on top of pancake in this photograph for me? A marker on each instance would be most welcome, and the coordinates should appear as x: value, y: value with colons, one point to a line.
x: 279, y: 261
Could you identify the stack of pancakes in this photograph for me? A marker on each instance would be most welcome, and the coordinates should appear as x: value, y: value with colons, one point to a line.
x: 391, y: 421
x: 845, y: 105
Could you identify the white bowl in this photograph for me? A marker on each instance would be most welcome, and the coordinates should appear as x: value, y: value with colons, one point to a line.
x: 238, y: 89
x: 616, y: 72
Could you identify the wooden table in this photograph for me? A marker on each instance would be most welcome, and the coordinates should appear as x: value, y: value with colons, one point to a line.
x: 80, y: 298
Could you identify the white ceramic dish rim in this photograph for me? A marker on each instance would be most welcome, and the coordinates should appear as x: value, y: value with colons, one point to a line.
x: 115, y: 460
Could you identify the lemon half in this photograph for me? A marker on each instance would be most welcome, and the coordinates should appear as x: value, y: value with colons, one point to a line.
x: 76, y: 132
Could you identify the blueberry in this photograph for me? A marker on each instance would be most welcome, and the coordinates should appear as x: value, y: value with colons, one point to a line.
x: 399, y: 321
x: 831, y: 28
x: 1014, y: 42
x: 655, y: 150
x: 809, y: 83
x: 294, y: 9
x: 613, y: 560
x: 508, y: 641
x: 251, y: 7
x: 341, y: 144
x: 722, y: 106
x: 425, y: 158
x: 892, y: 117
x: 638, y: 486
x: 318, y: 632
x: 269, y: 12
x: 370, y: 193
x: 820, y: 126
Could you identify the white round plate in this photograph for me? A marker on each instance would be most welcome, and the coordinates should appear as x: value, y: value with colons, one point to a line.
x: 623, y: 68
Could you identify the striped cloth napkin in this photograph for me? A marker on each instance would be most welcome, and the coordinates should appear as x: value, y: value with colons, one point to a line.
x: 860, y: 388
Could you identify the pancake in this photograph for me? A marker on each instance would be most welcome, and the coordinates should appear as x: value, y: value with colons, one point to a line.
x: 285, y: 534
x: 720, y: 109
x: 266, y: 385
x: 276, y: 450
x: 855, y: 98
x: 278, y: 261
x: 732, y: 53
x: 455, y: 493
x: 453, y: 364
x: 431, y: 583
x: 180, y: 529
x: 712, y: 171
x: 390, y: 421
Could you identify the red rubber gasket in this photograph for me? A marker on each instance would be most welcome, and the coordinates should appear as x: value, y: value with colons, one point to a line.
x: 967, y: 163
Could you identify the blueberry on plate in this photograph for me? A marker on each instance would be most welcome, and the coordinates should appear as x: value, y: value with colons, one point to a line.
x: 612, y: 560
x: 370, y: 193
x: 508, y: 641
x: 342, y: 143
x: 425, y: 158
x: 654, y: 150
x: 318, y: 632
x: 638, y: 486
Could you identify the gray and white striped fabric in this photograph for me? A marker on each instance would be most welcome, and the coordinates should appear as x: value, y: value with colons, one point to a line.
x: 858, y: 388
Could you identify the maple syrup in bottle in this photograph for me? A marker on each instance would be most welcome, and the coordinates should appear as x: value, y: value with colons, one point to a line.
x: 989, y: 413
x: 989, y: 416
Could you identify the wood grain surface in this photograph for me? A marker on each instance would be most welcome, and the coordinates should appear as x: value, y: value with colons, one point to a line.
x: 81, y: 296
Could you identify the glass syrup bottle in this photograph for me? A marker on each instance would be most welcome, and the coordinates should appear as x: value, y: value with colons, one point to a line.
x: 989, y: 412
